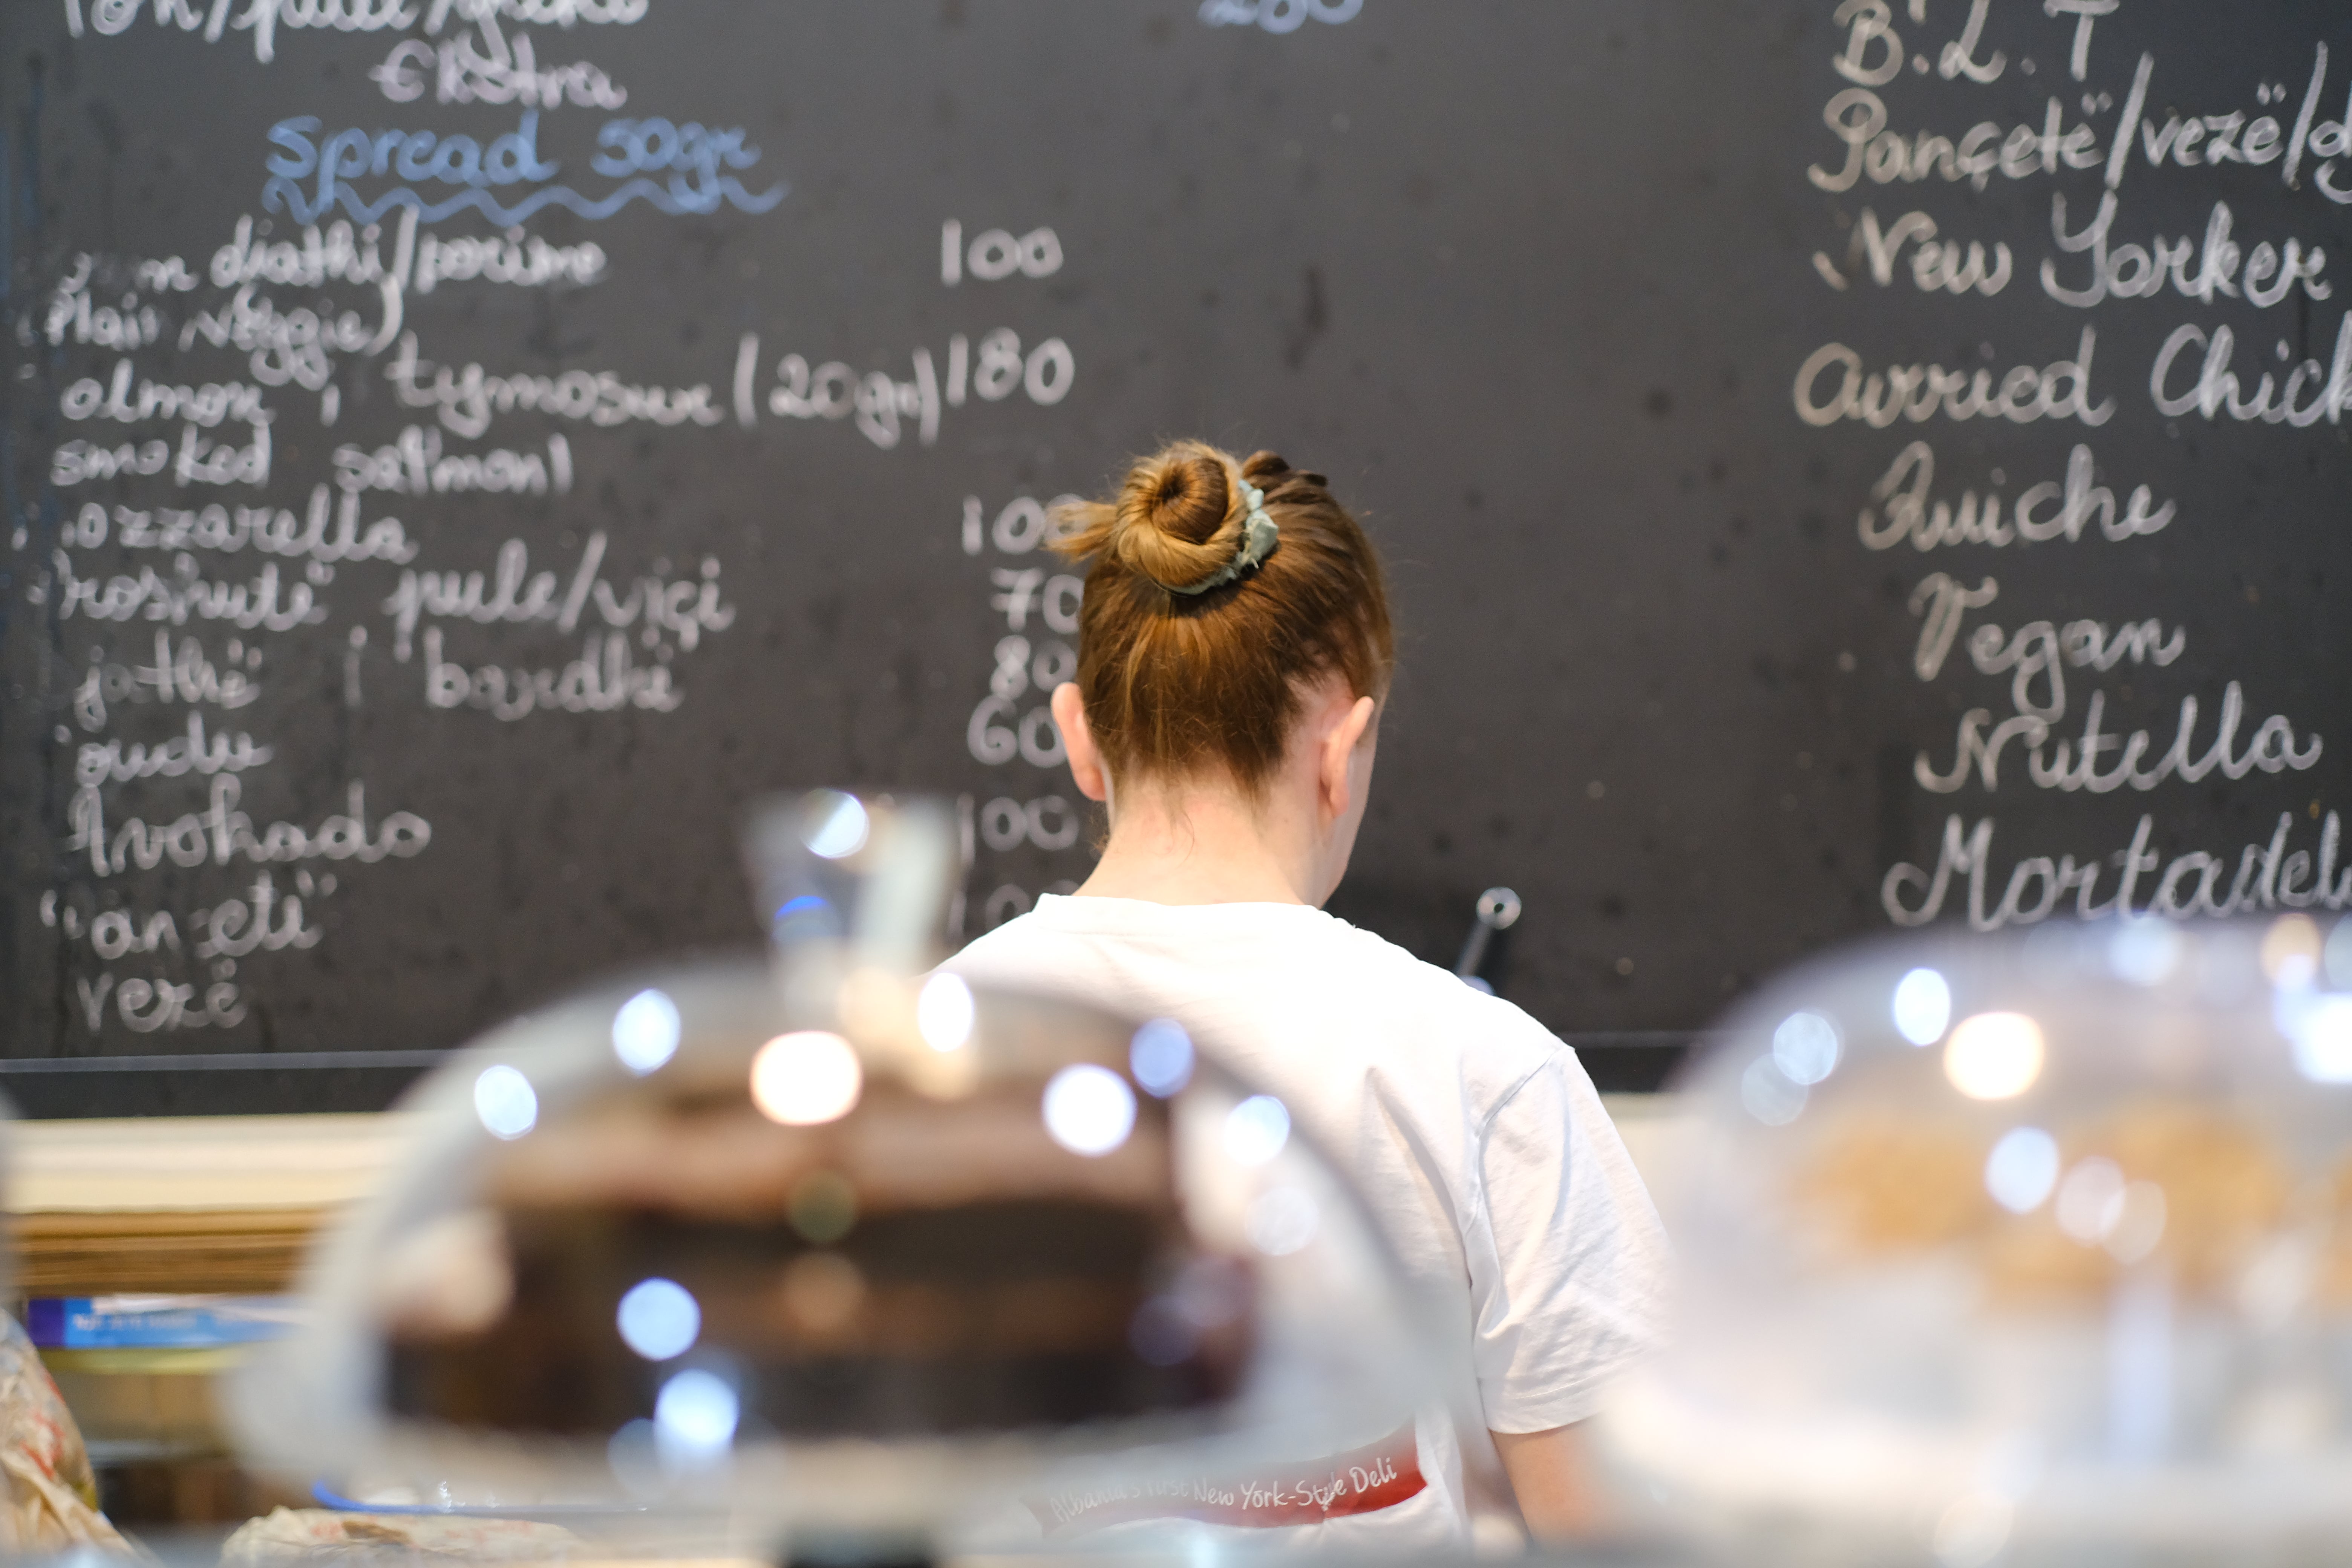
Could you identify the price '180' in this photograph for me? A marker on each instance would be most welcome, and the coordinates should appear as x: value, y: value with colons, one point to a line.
x: 882, y: 406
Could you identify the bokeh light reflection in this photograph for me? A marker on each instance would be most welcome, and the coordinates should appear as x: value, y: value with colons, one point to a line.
x: 2022, y: 1169
x: 1283, y: 1221
x: 2320, y: 1030
x: 1994, y: 1056
x: 945, y: 1012
x: 806, y: 1078
x: 695, y: 1416
x: 645, y: 1031
x: 506, y: 1103
x: 837, y: 825
x: 1161, y: 1056
x: 1922, y: 1007
x: 1805, y: 1047
x: 659, y: 1319
x: 2146, y: 950
x: 1256, y: 1129
x: 2091, y: 1200
x: 1089, y: 1110
x: 1769, y: 1095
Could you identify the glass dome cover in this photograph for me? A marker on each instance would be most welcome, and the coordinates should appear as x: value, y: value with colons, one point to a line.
x: 664, y: 1245
x: 2008, y: 1249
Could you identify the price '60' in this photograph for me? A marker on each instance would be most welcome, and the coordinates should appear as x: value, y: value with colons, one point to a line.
x: 994, y: 735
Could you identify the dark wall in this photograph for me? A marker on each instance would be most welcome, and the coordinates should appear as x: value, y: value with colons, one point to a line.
x: 1533, y: 283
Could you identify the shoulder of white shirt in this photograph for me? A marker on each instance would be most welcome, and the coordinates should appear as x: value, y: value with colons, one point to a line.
x: 1486, y: 1018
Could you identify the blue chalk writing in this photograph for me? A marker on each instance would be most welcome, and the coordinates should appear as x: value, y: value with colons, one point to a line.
x: 1277, y: 15
x: 309, y: 177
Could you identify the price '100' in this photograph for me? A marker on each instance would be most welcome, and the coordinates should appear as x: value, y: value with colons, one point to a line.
x: 1024, y: 524
x: 1048, y: 822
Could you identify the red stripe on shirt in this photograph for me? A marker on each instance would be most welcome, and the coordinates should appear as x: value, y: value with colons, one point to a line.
x: 1363, y: 1481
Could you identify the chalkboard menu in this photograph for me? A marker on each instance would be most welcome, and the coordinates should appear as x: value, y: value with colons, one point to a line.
x: 1843, y: 464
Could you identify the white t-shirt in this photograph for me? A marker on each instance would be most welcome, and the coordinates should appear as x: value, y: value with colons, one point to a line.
x: 1473, y: 1133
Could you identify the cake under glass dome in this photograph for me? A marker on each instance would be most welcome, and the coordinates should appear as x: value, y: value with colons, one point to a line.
x: 2019, y: 1251
x: 821, y: 1246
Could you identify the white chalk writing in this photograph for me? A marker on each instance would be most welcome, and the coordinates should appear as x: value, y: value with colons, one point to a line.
x: 221, y: 834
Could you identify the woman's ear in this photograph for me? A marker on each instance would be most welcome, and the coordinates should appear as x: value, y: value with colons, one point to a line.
x: 1078, y: 741
x: 1338, y: 787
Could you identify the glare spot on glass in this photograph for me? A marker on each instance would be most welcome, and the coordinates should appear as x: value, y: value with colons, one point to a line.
x: 806, y: 1078
x: 1256, y: 1129
x: 1769, y: 1095
x: 1161, y: 1334
x: 645, y: 1032
x: 805, y: 918
x: 2337, y: 956
x: 833, y: 824
x: 1282, y: 1221
x: 506, y: 1103
x: 944, y: 1012
x: 1922, y: 1007
x: 2091, y: 1200
x: 659, y: 1319
x: 1971, y: 1532
x: 823, y: 1206
x: 2276, y: 1283
x: 2146, y: 950
x: 1089, y: 1110
x: 1994, y: 1056
x: 2320, y: 1029
x: 1161, y: 1057
x: 823, y: 1292
x: 2022, y: 1169
x: 2138, y: 1223
x: 632, y: 1454
x: 1805, y: 1047
x: 1211, y: 1292
x: 695, y: 1416
x: 2290, y: 950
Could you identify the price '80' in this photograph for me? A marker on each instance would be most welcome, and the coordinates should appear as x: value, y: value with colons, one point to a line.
x: 995, y: 736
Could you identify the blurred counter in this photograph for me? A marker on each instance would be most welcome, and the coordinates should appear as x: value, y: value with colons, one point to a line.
x: 229, y: 1205
x: 179, y: 1205
x: 223, y: 1203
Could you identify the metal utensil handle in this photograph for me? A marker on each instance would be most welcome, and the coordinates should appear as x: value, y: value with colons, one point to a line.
x: 1498, y: 908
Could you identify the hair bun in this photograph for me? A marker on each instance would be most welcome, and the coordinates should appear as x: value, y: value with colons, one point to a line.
x: 1201, y: 638
x: 1187, y: 498
x: 1171, y: 522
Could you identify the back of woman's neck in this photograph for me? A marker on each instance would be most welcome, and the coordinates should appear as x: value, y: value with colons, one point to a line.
x: 1197, y: 846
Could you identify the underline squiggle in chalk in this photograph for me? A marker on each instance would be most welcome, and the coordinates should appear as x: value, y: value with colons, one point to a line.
x: 286, y: 194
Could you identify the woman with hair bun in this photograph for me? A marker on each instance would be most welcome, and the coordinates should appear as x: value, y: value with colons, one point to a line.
x: 1233, y: 653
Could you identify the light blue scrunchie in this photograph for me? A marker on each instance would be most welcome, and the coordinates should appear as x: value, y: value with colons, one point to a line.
x: 1259, y: 536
